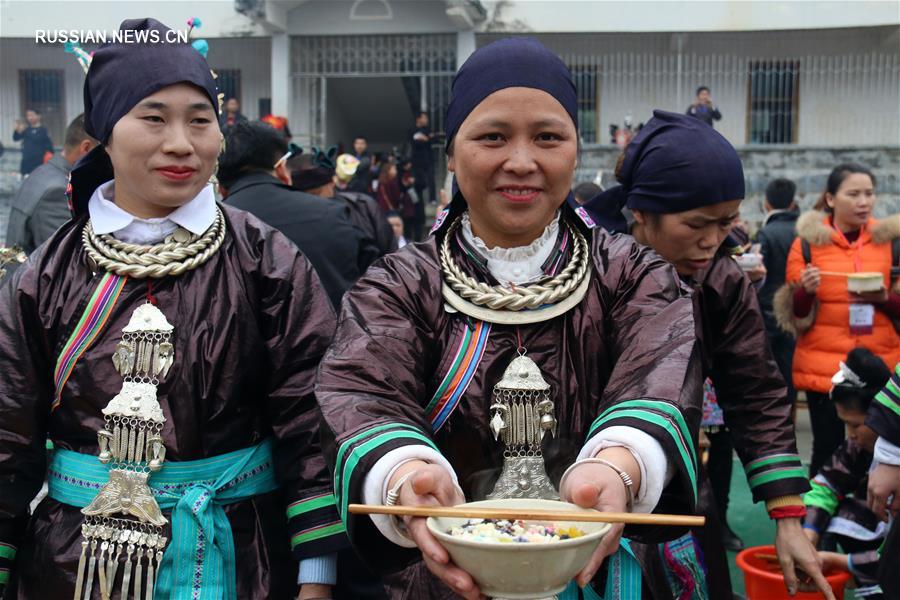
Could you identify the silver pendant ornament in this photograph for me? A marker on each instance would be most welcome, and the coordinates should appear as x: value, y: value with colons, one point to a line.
x: 124, y: 520
x: 521, y: 415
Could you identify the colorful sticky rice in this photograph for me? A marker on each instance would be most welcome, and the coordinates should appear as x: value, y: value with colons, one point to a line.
x: 504, y: 532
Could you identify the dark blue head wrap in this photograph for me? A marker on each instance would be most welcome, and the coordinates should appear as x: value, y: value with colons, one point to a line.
x: 121, y: 75
x: 674, y: 164
x: 510, y: 62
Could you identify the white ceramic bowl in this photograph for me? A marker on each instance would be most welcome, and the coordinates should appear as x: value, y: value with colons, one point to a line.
x: 865, y: 282
x: 520, y: 571
x: 749, y: 261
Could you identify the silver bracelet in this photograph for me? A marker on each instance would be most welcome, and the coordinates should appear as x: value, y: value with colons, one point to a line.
x: 393, y: 494
x: 625, y: 477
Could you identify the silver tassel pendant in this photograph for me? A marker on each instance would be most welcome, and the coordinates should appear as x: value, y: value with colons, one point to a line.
x: 159, y: 556
x: 150, y: 576
x: 152, y: 541
x: 521, y: 415
x: 138, y: 572
x: 124, y: 517
x: 92, y: 564
x: 113, y: 562
x: 101, y: 570
x: 126, y: 577
x: 79, y: 580
x: 145, y: 351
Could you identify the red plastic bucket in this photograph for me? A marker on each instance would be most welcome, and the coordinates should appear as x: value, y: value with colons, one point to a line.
x: 762, y: 583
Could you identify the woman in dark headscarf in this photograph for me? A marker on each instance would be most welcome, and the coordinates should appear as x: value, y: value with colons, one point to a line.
x: 512, y: 281
x: 184, y: 337
x: 683, y: 183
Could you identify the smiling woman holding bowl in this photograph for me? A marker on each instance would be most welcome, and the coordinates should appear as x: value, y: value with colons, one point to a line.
x: 520, y: 352
x: 836, y: 240
x: 513, y: 346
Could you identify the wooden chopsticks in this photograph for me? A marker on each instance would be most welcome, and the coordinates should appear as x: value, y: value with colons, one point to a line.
x: 838, y: 274
x: 529, y: 515
x: 834, y: 274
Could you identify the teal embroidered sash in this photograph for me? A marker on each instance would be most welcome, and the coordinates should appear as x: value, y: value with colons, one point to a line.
x: 623, y: 581
x: 199, y: 561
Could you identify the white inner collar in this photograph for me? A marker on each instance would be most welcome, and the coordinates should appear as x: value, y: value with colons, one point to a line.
x: 108, y: 217
x: 519, y: 265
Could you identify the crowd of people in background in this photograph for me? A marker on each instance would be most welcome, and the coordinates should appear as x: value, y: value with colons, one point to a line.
x: 385, y: 193
x: 40, y: 206
x: 346, y: 210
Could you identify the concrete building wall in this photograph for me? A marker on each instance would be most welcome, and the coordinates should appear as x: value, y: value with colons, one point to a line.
x: 21, y: 18
x: 252, y: 57
x: 343, y: 17
x: 692, y: 15
x: 849, y: 89
x: 22, y: 54
x: 249, y: 55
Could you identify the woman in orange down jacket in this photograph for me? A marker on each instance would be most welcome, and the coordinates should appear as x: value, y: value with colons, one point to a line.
x: 839, y: 236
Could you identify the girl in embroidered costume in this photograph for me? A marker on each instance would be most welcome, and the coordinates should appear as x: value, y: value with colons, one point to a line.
x: 837, y: 502
x: 684, y: 205
x: 883, y: 494
x: 513, y: 351
x: 166, y: 346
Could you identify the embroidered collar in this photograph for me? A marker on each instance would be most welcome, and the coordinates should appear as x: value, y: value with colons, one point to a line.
x: 555, y: 242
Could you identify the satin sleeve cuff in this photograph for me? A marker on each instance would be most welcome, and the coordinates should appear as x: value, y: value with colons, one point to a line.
x: 375, y: 485
x: 656, y: 470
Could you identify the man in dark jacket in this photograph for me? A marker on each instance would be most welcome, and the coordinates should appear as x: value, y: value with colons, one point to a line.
x: 422, y: 159
x: 703, y: 107
x: 231, y: 114
x: 775, y: 239
x: 314, y: 174
x: 362, y: 182
x: 41, y: 205
x: 253, y: 176
x: 35, y: 140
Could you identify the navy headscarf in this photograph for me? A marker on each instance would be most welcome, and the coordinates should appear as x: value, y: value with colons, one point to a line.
x: 120, y: 76
x: 674, y: 164
x: 506, y: 63
x: 510, y: 62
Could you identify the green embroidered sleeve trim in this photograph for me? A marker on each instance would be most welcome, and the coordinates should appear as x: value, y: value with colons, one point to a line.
x: 305, y: 506
x: 685, y: 450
